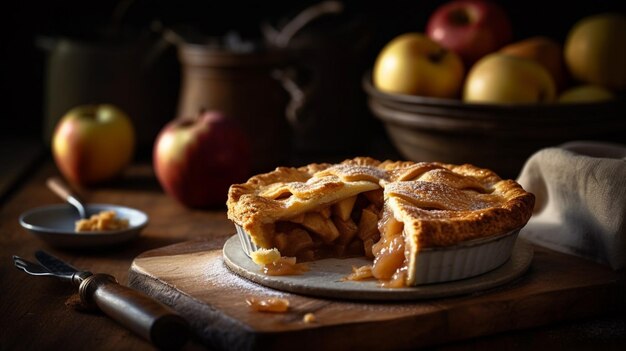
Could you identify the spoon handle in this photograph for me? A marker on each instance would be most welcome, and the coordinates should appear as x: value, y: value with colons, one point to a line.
x: 58, y: 187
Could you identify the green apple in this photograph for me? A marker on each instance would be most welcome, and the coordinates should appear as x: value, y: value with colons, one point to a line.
x: 595, y: 50
x: 414, y: 64
x: 586, y: 93
x: 502, y: 79
x: 93, y: 143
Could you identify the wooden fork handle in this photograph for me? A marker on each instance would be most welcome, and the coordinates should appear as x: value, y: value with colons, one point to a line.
x: 135, y: 310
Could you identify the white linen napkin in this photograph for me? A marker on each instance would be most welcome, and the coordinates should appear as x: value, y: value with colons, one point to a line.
x: 580, y: 208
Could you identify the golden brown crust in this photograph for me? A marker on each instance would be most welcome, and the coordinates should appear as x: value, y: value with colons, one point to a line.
x: 458, y: 216
x: 440, y: 204
x: 288, y: 192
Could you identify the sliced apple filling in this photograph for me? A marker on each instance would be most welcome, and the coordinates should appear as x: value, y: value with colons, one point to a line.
x: 351, y: 227
x: 346, y: 228
x: 391, y: 259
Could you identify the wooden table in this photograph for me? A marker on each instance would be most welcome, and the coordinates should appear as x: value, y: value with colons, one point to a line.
x: 39, y: 313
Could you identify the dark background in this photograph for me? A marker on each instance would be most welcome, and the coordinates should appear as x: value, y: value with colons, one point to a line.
x: 22, y: 63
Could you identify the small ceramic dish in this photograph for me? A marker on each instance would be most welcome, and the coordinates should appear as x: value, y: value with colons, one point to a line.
x: 54, y: 225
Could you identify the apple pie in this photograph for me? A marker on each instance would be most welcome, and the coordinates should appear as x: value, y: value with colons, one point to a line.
x: 387, y: 211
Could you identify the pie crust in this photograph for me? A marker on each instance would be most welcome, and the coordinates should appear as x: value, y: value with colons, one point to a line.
x: 387, y: 211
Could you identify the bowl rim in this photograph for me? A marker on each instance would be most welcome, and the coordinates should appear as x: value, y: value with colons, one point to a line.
x: 515, y: 123
x: 141, y: 217
x: 415, y: 100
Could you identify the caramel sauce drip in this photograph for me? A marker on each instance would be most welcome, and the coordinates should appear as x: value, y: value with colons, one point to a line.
x: 272, y: 304
x: 360, y: 273
x: 398, y: 280
x: 285, y: 266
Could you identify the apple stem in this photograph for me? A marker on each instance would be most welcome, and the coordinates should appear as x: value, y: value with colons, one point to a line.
x: 459, y: 17
x: 187, y: 123
x: 437, y: 55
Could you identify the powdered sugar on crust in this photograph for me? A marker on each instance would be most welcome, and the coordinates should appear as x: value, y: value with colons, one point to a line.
x: 443, y: 204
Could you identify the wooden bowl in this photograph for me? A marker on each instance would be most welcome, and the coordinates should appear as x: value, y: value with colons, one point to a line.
x: 499, y: 137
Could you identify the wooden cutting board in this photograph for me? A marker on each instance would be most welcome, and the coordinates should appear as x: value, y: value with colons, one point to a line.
x: 192, y: 278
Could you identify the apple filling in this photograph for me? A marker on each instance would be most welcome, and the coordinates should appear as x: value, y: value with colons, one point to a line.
x: 391, y: 259
x: 347, y: 228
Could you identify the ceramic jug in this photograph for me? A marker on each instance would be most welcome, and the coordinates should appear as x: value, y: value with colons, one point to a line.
x: 242, y: 86
x: 139, y: 76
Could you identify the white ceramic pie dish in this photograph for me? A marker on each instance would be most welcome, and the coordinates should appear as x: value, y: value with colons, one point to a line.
x: 439, y: 265
x: 464, y: 260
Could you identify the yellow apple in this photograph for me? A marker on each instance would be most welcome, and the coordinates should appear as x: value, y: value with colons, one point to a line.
x: 586, y: 93
x: 501, y: 79
x: 544, y: 51
x: 93, y: 143
x: 595, y: 50
x: 414, y: 64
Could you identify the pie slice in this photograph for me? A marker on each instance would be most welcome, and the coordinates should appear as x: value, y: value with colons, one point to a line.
x: 387, y: 211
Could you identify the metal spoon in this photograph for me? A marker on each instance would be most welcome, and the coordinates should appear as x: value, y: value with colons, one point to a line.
x: 58, y: 187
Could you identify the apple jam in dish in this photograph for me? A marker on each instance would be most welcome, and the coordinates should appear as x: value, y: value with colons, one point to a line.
x: 103, y: 221
x: 386, y: 211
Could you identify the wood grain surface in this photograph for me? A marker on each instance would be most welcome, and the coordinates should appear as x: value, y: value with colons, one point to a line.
x: 39, y: 313
x: 194, y: 280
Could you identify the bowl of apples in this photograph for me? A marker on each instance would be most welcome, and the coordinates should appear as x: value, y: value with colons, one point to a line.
x: 441, y: 100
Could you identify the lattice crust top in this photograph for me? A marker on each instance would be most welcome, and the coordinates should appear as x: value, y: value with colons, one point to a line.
x: 439, y: 204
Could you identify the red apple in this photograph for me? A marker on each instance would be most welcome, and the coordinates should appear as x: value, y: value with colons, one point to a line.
x: 471, y: 28
x: 196, y: 160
